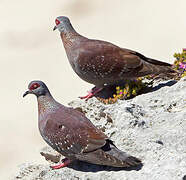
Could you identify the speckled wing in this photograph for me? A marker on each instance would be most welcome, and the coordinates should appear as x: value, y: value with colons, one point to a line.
x: 69, y: 132
x: 106, y: 60
x: 103, y: 62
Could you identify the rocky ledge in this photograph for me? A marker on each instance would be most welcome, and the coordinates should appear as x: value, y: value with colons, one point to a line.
x: 151, y: 127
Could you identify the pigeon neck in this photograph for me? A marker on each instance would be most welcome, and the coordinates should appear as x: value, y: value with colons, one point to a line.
x: 70, y: 37
x: 46, y: 103
x: 68, y: 29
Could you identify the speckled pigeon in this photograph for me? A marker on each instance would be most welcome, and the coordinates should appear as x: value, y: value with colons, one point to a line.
x: 102, y: 63
x: 70, y: 133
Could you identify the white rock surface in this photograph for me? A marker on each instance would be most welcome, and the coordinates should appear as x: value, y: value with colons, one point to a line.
x: 151, y: 126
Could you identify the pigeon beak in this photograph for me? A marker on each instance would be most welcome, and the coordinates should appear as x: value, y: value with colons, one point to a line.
x: 27, y: 92
x: 55, y: 27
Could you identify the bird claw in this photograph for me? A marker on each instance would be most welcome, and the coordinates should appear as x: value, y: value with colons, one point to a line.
x: 65, y: 162
x: 88, y: 96
x: 91, y: 93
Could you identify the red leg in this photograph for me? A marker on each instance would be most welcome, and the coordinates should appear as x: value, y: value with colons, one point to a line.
x: 65, y: 163
x: 91, y: 93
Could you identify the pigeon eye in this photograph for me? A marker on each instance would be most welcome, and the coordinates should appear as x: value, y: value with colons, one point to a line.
x: 57, y: 22
x: 34, y: 86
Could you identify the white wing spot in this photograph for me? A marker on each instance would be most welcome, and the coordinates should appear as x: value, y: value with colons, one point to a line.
x: 112, y: 67
x: 122, y: 71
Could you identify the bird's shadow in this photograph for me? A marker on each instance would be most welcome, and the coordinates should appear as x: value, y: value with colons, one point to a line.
x: 108, y: 91
x: 87, y: 167
x: 160, y: 85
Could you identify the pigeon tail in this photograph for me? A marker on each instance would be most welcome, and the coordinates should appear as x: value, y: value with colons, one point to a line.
x: 157, y: 62
x: 121, y: 158
x: 110, y: 155
x: 155, y: 67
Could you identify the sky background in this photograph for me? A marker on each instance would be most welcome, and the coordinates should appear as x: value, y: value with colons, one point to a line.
x: 30, y: 50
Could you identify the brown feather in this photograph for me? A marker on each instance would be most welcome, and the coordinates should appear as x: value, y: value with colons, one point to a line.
x: 100, y: 62
x: 72, y: 134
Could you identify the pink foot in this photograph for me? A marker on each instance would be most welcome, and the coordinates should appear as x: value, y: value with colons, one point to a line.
x: 65, y: 163
x: 91, y: 93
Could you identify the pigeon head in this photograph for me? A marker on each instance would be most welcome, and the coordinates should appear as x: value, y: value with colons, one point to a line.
x: 62, y: 23
x: 38, y: 88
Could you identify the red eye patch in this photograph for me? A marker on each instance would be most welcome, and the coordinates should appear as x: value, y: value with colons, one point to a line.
x: 57, y: 22
x: 34, y: 86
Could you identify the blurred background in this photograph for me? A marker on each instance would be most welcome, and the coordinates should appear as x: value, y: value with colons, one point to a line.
x: 30, y: 50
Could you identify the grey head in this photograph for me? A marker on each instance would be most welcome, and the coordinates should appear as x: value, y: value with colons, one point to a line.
x: 63, y: 24
x: 37, y: 88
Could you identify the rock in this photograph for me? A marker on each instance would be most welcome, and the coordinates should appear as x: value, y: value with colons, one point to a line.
x: 50, y: 154
x: 151, y: 126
